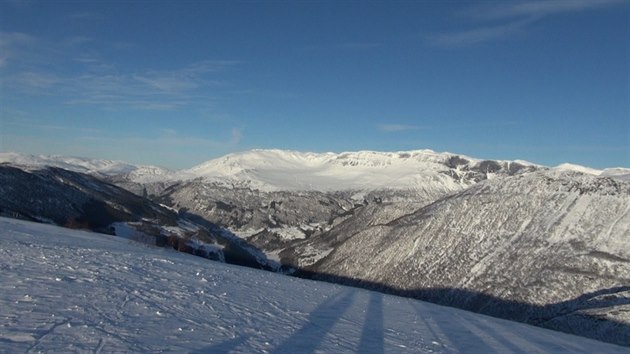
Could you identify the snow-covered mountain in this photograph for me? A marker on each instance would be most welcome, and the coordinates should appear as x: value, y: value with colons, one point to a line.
x: 72, y: 199
x: 61, y: 196
x: 616, y: 172
x: 135, y: 173
x: 72, y: 291
x: 525, y: 242
x: 285, y: 170
x: 280, y: 170
x: 280, y: 195
x: 541, y: 245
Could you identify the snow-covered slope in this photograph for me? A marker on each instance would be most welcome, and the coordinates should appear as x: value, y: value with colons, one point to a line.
x: 76, y: 200
x: 620, y: 173
x: 65, y: 197
x: 617, y: 173
x: 136, y: 173
x: 71, y: 291
x: 578, y: 168
x: 273, y: 170
x: 77, y: 164
x: 549, y: 247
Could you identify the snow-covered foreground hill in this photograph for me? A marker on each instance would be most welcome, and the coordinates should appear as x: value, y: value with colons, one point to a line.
x: 63, y: 290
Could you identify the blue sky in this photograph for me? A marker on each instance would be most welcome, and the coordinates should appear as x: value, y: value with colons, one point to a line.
x: 177, y: 83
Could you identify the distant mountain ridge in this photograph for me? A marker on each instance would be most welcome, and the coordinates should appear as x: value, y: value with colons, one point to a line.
x: 98, y: 167
x: 274, y: 170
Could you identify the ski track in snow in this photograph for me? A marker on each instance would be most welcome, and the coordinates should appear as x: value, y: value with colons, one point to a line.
x: 71, y: 291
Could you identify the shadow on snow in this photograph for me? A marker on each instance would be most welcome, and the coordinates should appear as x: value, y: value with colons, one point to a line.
x: 556, y: 316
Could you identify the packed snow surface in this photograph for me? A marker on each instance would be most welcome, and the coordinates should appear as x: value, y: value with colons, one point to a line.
x: 72, y: 291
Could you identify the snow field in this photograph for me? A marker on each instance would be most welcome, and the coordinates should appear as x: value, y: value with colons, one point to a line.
x: 71, y: 291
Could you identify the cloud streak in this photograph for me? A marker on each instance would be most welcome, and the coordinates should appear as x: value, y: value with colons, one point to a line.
x: 174, y: 150
x: 510, y: 19
x: 480, y: 34
x: 392, y: 128
x: 512, y: 9
x: 236, y: 137
x: 26, y: 122
x: 147, y: 90
x: 34, y: 66
x: 12, y: 44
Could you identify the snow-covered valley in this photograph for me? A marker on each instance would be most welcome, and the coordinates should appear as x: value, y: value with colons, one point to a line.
x: 63, y: 290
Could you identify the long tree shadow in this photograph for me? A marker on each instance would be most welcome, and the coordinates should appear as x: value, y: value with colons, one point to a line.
x: 553, y: 316
x: 318, y: 324
x: 523, y: 342
x: 372, y: 340
x: 455, y: 335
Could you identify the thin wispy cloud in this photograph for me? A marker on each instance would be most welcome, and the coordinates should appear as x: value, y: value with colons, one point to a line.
x: 15, y: 38
x: 30, y: 123
x: 359, y: 45
x: 34, y: 80
x: 30, y: 66
x: 512, y: 9
x: 344, y: 46
x: 237, y: 136
x: 76, y: 40
x: 142, y: 143
x: 500, y: 21
x: 391, y: 128
x: 187, y: 78
x: 165, y: 82
x: 23, y: 50
x: 168, y: 131
x: 82, y: 15
x: 20, y: 3
x: 12, y: 44
x: 479, y: 35
x: 149, y: 90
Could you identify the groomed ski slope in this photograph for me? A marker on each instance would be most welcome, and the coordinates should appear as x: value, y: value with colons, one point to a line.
x: 71, y: 291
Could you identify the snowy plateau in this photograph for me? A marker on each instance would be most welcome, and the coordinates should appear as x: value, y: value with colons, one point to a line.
x: 73, y: 291
x: 548, y: 246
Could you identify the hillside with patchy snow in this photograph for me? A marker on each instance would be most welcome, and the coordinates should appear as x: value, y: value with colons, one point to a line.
x: 549, y: 248
x: 71, y: 291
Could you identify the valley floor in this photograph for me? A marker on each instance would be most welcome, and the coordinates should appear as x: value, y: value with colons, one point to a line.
x: 63, y: 290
